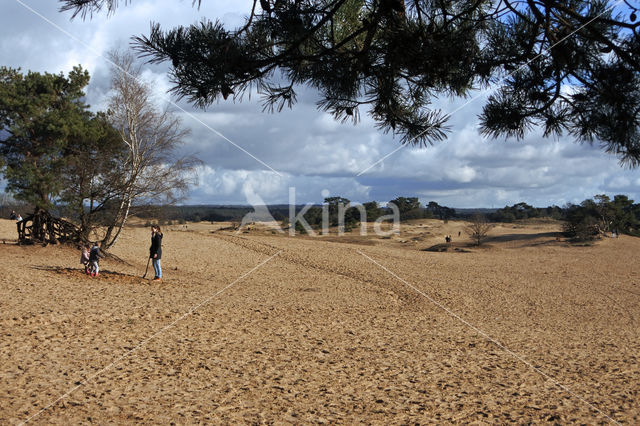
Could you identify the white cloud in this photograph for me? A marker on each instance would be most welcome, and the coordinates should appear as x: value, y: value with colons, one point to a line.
x: 309, y: 149
x: 237, y: 186
x: 463, y: 174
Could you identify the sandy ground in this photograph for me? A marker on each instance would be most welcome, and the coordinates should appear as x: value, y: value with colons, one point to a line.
x: 264, y: 328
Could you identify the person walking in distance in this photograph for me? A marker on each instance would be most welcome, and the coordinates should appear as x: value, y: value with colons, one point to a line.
x: 155, y: 251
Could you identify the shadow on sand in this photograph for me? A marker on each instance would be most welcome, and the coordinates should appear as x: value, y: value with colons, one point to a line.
x: 106, y: 275
x: 544, y: 237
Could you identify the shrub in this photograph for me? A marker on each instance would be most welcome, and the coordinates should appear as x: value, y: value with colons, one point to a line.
x: 585, y: 229
x: 300, y: 228
x: 478, y: 228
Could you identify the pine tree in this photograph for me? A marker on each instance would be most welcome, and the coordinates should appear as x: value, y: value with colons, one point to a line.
x: 566, y: 66
x: 39, y: 115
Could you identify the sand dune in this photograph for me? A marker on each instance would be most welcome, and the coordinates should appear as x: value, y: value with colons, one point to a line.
x: 526, y: 330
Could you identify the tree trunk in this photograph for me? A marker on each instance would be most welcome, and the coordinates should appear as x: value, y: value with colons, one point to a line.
x: 107, y: 237
x: 121, y: 225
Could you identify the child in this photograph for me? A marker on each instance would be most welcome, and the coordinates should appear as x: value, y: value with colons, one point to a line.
x: 84, y: 258
x: 94, y: 258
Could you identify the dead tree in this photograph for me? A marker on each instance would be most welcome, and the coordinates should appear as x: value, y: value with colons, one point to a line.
x: 478, y: 228
x: 42, y: 227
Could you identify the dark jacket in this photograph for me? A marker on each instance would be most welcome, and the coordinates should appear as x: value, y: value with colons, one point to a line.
x: 156, y: 246
x: 95, y: 254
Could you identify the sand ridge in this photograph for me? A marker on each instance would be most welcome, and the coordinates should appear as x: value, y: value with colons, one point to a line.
x: 321, y: 334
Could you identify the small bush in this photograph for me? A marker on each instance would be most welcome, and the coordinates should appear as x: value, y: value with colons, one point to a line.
x: 478, y: 228
x: 584, y: 230
x: 300, y: 228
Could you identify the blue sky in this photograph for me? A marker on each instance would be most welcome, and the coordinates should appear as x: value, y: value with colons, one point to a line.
x: 305, y: 148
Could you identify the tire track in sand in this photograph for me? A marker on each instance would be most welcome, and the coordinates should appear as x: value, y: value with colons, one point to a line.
x: 335, y: 266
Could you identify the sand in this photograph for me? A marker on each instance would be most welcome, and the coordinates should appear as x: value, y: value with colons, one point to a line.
x: 265, y: 328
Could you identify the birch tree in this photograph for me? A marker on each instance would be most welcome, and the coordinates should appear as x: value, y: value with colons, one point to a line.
x: 152, y: 172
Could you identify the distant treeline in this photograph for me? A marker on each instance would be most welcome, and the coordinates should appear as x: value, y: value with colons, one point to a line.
x: 600, y: 214
x: 582, y: 221
x: 590, y: 217
x: 409, y: 208
x: 8, y: 204
x: 181, y: 214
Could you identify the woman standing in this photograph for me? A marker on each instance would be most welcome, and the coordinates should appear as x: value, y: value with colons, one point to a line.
x: 155, y: 251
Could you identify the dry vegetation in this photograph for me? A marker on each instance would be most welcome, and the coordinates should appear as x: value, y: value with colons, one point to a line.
x: 321, y: 334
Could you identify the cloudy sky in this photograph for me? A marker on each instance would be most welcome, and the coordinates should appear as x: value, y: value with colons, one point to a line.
x: 253, y: 155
